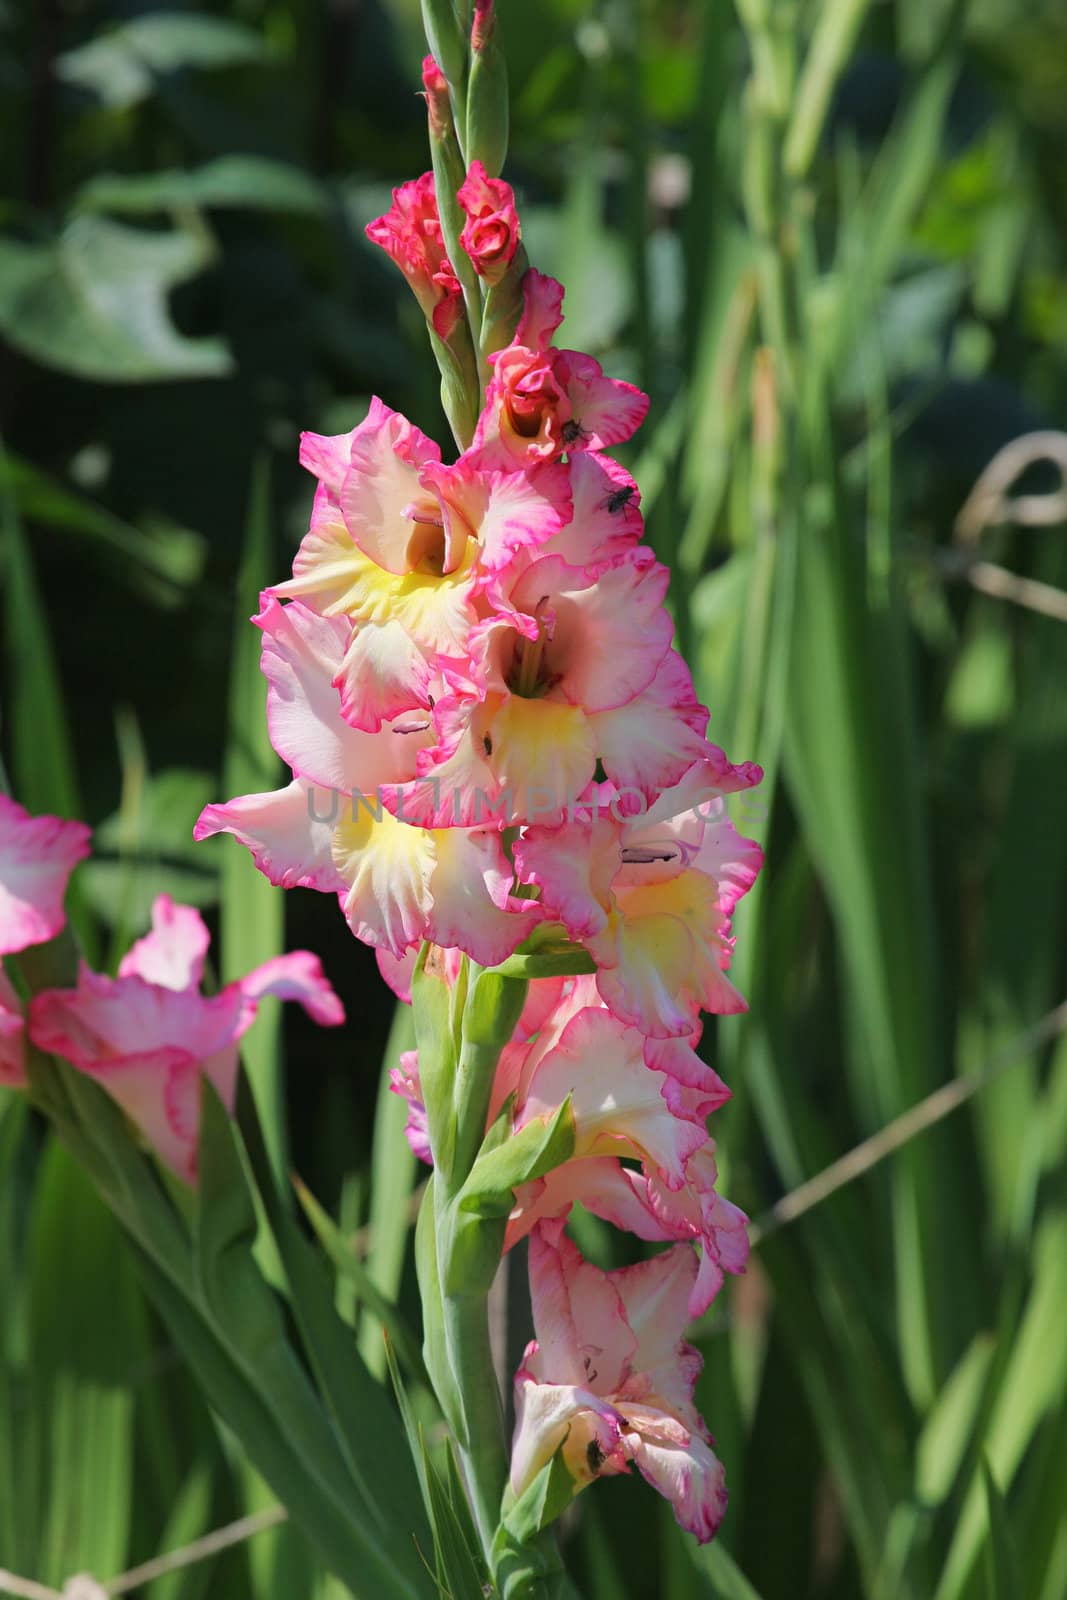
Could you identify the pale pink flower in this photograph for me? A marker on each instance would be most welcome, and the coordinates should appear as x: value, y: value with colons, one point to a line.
x: 400, y: 545
x: 555, y: 670
x: 397, y: 884
x: 410, y: 232
x: 149, y: 1035
x: 543, y: 401
x: 641, y: 1203
x: 37, y: 856
x: 628, y: 1097
x: 609, y: 1379
x: 491, y: 233
x: 651, y: 896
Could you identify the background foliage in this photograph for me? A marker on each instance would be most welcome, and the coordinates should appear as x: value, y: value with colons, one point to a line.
x: 830, y: 241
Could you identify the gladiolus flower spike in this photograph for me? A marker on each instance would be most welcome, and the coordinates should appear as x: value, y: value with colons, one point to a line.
x: 500, y: 768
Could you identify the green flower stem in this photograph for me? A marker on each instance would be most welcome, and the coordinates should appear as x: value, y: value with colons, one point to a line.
x: 491, y: 1005
x: 483, y: 1449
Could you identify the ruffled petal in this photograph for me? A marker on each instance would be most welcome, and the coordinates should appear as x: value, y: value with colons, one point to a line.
x: 383, y: 675
x: 648, y: 744
x: 582, y: 1332
x: 542, y: 310
x: 37, y: 856
x: 105, y: 1021
x: 471, y: 908
x: 381, y: 487
x: 386, y: 867
x: 297, y: 976
x: 606, y: 410
x: 682, y: 1467
x: 546, y: 1415
x: 606, y: 519
x: 172, y: 955
x: 302, y: 654
x: 503, y: 511
x: 612, y: 634
x: 289, y: 832
x: 618, y: 1102
x: 573, y: 866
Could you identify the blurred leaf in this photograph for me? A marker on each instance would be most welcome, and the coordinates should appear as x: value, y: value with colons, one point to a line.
x: 94, y: 302
x: 162, y: 848
x: 1034, y: 1381
x: 1005, y: 1578
x: 190, y: 1517
x: 728, y: 1582
x: 42, y: 754
x: 21, y: 1425
x: 161, y: 561
x: 121, y: 64
x: 368, y: 1431
x: 388, y: 1322
x: 253, y: 909
x: 951, y: 1424
x: 83, y: 1369
x: 460, y: 1568
x: 240, y: 182
x: 393, y: 1166
x: 365, y: 1539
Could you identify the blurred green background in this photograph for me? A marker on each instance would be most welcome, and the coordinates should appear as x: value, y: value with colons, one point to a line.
x: 829, y: 239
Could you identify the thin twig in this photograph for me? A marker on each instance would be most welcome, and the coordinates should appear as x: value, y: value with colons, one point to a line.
x: 1004, y: 585
x: 916, y: 1120
x: 210, y: 1545
x: 989, y: 504
x: 25, y: 1588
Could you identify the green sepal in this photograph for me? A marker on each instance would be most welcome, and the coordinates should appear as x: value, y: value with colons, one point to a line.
x: 435, y: 1343
x: 471, y: 1232
x: 544, y: 1499
x: 487, y: 110
x: 525, y: 1565
x: 494, y: 1005
x: 447, y: 41
x: 501, y: 1168
x: 459, y: 380
x: 435, y: 1036
x: 504, y: 305
x: 551, y: 961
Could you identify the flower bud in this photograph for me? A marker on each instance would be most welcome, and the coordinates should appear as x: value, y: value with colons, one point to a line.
x: 491, y: 233
x: 438, y: 107
x: 487, y: 106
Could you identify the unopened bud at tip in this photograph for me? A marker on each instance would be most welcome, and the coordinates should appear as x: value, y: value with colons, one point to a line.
x: 438, y: 109
x: 482, y: 26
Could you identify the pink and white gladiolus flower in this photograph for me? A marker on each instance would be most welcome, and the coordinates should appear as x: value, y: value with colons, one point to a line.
x: 149, y: 1035
x: 651, y: 896
x: 628, y: 1100
x: 398, y: 884
x: 37, y: 857
x: 609, y: 1380
x: 543, y: 401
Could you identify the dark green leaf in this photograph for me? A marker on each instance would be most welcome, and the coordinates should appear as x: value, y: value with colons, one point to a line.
x: 94, y: 302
